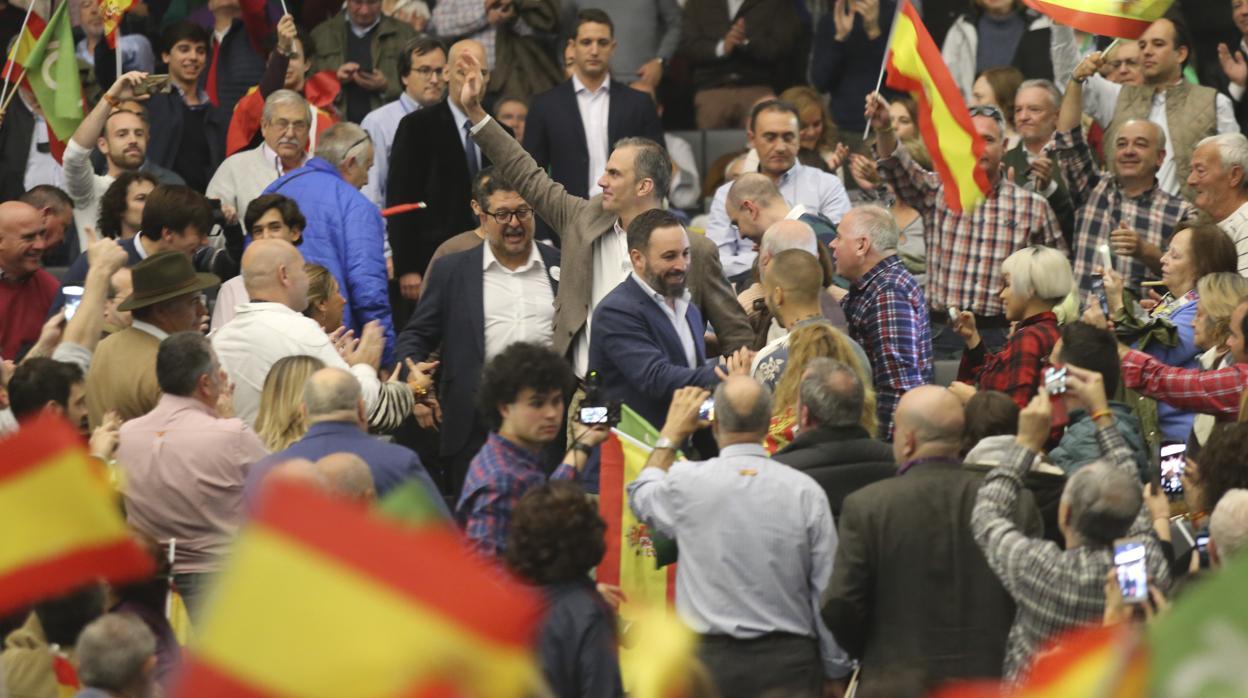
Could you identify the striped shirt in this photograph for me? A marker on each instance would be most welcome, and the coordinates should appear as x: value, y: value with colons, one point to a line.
x: 965, y: 250
x: 1236, y: 225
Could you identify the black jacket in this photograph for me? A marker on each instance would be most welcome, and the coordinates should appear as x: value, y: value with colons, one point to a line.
x: 841, y: 459
x: 15, y: 134
x: 168, y: 111
x: 771, y: 26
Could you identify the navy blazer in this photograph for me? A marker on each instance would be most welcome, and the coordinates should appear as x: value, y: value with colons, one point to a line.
x: 555, y: 135
x: 638, y: 356
x: 451, y: 315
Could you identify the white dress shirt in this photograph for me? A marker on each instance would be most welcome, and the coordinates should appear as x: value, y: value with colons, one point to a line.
x: 519, y: 305
x: 150, y: 329
x: 611, y: 266
x: 41, y: 167
x: 678, y: 314
x: 381, y: 125
x: 1100, y: 99
x: 259, y: 335
x: 1236, y: 226
x: 595, y: 108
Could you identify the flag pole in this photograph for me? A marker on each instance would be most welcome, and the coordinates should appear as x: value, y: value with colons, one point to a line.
x: 8, y: 71
x: 4, y: 105
x: 884, y: 63
x: 117, y: 46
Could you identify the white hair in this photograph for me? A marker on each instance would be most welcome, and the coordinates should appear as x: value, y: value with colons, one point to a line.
x: 1039, y: 272
x: 875, y: 223
x: 1232, y: 151
x: 1055, y: 95
x: 789, y: 235
x: 280, y: 97
x: 1228, y: 525
x: 339, y: 141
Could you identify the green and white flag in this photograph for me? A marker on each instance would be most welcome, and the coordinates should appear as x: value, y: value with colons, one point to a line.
x: 52, y: 70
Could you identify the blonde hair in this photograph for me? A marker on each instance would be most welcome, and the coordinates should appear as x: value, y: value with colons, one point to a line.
x: 815, y: 340
x: 281, y: 421
x: 321, y: 285
x: 804, y: 97
x: 1220, y: 293
x: 1040, y: 272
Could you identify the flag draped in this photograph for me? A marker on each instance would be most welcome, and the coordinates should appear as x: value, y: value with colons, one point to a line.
x: 61, y: 522
x: 915, y: 66
x: 322, y: 598
x: 1125, y: 19
x: 52, y: 71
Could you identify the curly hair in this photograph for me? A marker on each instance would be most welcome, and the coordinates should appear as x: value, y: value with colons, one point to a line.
x: 821, y: 339
x: 113, y: 202
x: 556, y: 534
x: 1220, y: 467
x: 519, y: 366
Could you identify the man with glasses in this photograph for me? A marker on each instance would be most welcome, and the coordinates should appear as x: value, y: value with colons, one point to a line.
x: 477, y: 302
x: 344, y: 232
x: 422, y: 70
x: 966, y: 249
x: 285, y: 124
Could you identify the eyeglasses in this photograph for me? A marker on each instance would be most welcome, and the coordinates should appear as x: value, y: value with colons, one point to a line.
x: 283, y: 125
x: 987, y: 110
x: 504, y: 217
x: 426, y: 72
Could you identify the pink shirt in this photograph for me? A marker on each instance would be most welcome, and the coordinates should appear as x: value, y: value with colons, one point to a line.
x: 184, y: 469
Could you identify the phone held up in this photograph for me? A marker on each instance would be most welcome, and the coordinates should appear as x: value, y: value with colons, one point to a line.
x: 1172, y: 464
x: 1130, y: 563
x: 73, y: 298
x: 595, y: 409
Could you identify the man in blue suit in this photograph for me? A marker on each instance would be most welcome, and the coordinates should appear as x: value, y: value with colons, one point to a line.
x: 646, y: 338
x: 474, y: 304
x: 338, y: 423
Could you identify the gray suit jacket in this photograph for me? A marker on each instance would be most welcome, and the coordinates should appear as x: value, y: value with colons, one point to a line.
x: 579, y: 222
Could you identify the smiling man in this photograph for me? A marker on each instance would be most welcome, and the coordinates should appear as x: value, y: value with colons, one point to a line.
x: 286, y: 123
x: 1220, y: 181
x: 26, y: 290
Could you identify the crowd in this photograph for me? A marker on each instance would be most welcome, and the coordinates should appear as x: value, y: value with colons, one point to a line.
x: 445, y: 243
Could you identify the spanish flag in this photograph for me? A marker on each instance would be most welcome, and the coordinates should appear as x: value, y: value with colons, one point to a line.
x: 1125, y: 19
x: 61, y: 523
x: 915, y: 66
x: 22, y: 47
x: 323, y: 598
x: 112, y: 11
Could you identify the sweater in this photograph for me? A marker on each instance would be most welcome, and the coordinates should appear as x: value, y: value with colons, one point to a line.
x: 24, y: 307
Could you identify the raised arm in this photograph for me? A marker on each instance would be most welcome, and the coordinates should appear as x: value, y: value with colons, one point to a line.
x: 912, y: 184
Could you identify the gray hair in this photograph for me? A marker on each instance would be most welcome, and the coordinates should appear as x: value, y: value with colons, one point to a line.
x: 833, y: 393
x: 347, y: 475
x: 1228, y: 525
x: 651, y: 162
x: 280, y: 97
x: 330, y: 391
x: 1040, y: 272
x: 181, y: 360
x: 1232, y: 151
x: 337, y: 144
x: 1104, y: 501
x: 1055, y: 95
x: 756, y: 420
x: 112, y: 650
x: 875, y: 223
x: 789, y: 235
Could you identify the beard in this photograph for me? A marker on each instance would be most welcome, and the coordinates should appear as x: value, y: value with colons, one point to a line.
x: 669, y: 285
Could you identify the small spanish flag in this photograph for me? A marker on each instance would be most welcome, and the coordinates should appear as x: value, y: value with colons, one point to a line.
x: 323, y: 598
x: 915, y: 66
x: 112, y: 11
x: 23, y: 46
x: 61, y: 522
x: 1125, y: 19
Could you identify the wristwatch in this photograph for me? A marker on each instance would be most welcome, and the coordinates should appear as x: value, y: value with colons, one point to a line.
x: 666, y: 443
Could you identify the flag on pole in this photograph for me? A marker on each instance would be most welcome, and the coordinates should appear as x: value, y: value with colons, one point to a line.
x: 321, y: 597
x: 632, y: 547
x: 52, y: 69
x: 22, y: 47
x: 62, y: 523
x: 915, y: 66
x: 1125, y: 19
x: 112, y: 11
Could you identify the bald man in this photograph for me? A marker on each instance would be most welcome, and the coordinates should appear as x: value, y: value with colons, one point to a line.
x: 754, y: 204
x: 26, y: 290
x: 911, y: 596
x: 347, y: 476
x: 751, y: 586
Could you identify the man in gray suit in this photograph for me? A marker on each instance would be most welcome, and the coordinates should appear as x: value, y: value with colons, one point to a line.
x: 592, y: 232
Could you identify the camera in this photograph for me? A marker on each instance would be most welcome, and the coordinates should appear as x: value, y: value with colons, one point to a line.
x: 595, y: 409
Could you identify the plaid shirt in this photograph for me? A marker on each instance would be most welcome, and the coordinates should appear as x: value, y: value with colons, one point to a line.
x: 965, y: 251
x: 1102, y: 206
x: 498, y: 477
x: 1215, y: 392
x: 1055, y: 589
x: 888, y: 317
x: 1016, y: 370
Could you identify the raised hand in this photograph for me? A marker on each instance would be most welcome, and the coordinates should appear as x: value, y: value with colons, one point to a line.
x: 1233, y: 65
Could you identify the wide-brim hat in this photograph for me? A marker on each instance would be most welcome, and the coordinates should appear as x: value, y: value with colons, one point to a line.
x: 165, y: 276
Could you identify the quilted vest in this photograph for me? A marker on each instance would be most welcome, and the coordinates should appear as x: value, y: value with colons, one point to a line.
x: 1191, y: 115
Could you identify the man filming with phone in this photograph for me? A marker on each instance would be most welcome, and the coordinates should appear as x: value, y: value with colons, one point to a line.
x: 1057, y: 590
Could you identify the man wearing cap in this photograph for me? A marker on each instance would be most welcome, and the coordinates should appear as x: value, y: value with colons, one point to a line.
x: 167, y: 299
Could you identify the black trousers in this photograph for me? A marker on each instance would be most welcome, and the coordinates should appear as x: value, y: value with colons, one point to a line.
x: 787, y: 664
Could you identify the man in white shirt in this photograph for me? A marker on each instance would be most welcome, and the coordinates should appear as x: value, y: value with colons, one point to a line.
x: 422, y: 70
x: 285, y: 125
x: 267, y: 217
x: 773, y: 133
x: 1219, y: 181
x: 271, y: 326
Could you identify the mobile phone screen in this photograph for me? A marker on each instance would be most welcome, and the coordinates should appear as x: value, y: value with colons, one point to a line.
x: 73, y: 297
x: 1173, y: 463
x: 1129, y: 558
x: 592, y: 415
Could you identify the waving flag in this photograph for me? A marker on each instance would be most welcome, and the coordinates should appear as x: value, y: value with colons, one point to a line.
x: 915, y: 66
x: 62, y: 526
x: 52, y: 70
x: 1125, y: 19
x: 22, y: 47
x: 111, y: 11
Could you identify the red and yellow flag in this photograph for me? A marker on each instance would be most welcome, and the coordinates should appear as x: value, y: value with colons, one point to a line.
x: 322, y: 598
x: 915, y: 66
x: 1125, y: 19
x: 111, y: 11
x: 61, y: 523
x: 22, y: 47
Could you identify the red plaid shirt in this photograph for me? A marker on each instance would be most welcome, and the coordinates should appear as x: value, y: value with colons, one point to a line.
x: 965, y: 251
x: 1017, y: 369
x: 1215, y: 392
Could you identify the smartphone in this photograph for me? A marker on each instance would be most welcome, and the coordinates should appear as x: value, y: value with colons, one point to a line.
x: 953, y: 315
x: 73, y: 298
x: 1173, y: 463
x: 1055, y: 380
x: 1098, y: 290
x: 152, y: 84
x: 707, y: 411
x: 1202, y: 549
x: 1130, y: 560
x: 593, y: 415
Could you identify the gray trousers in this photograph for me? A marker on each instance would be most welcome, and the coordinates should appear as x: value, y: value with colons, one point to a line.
x: 776, y: 664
